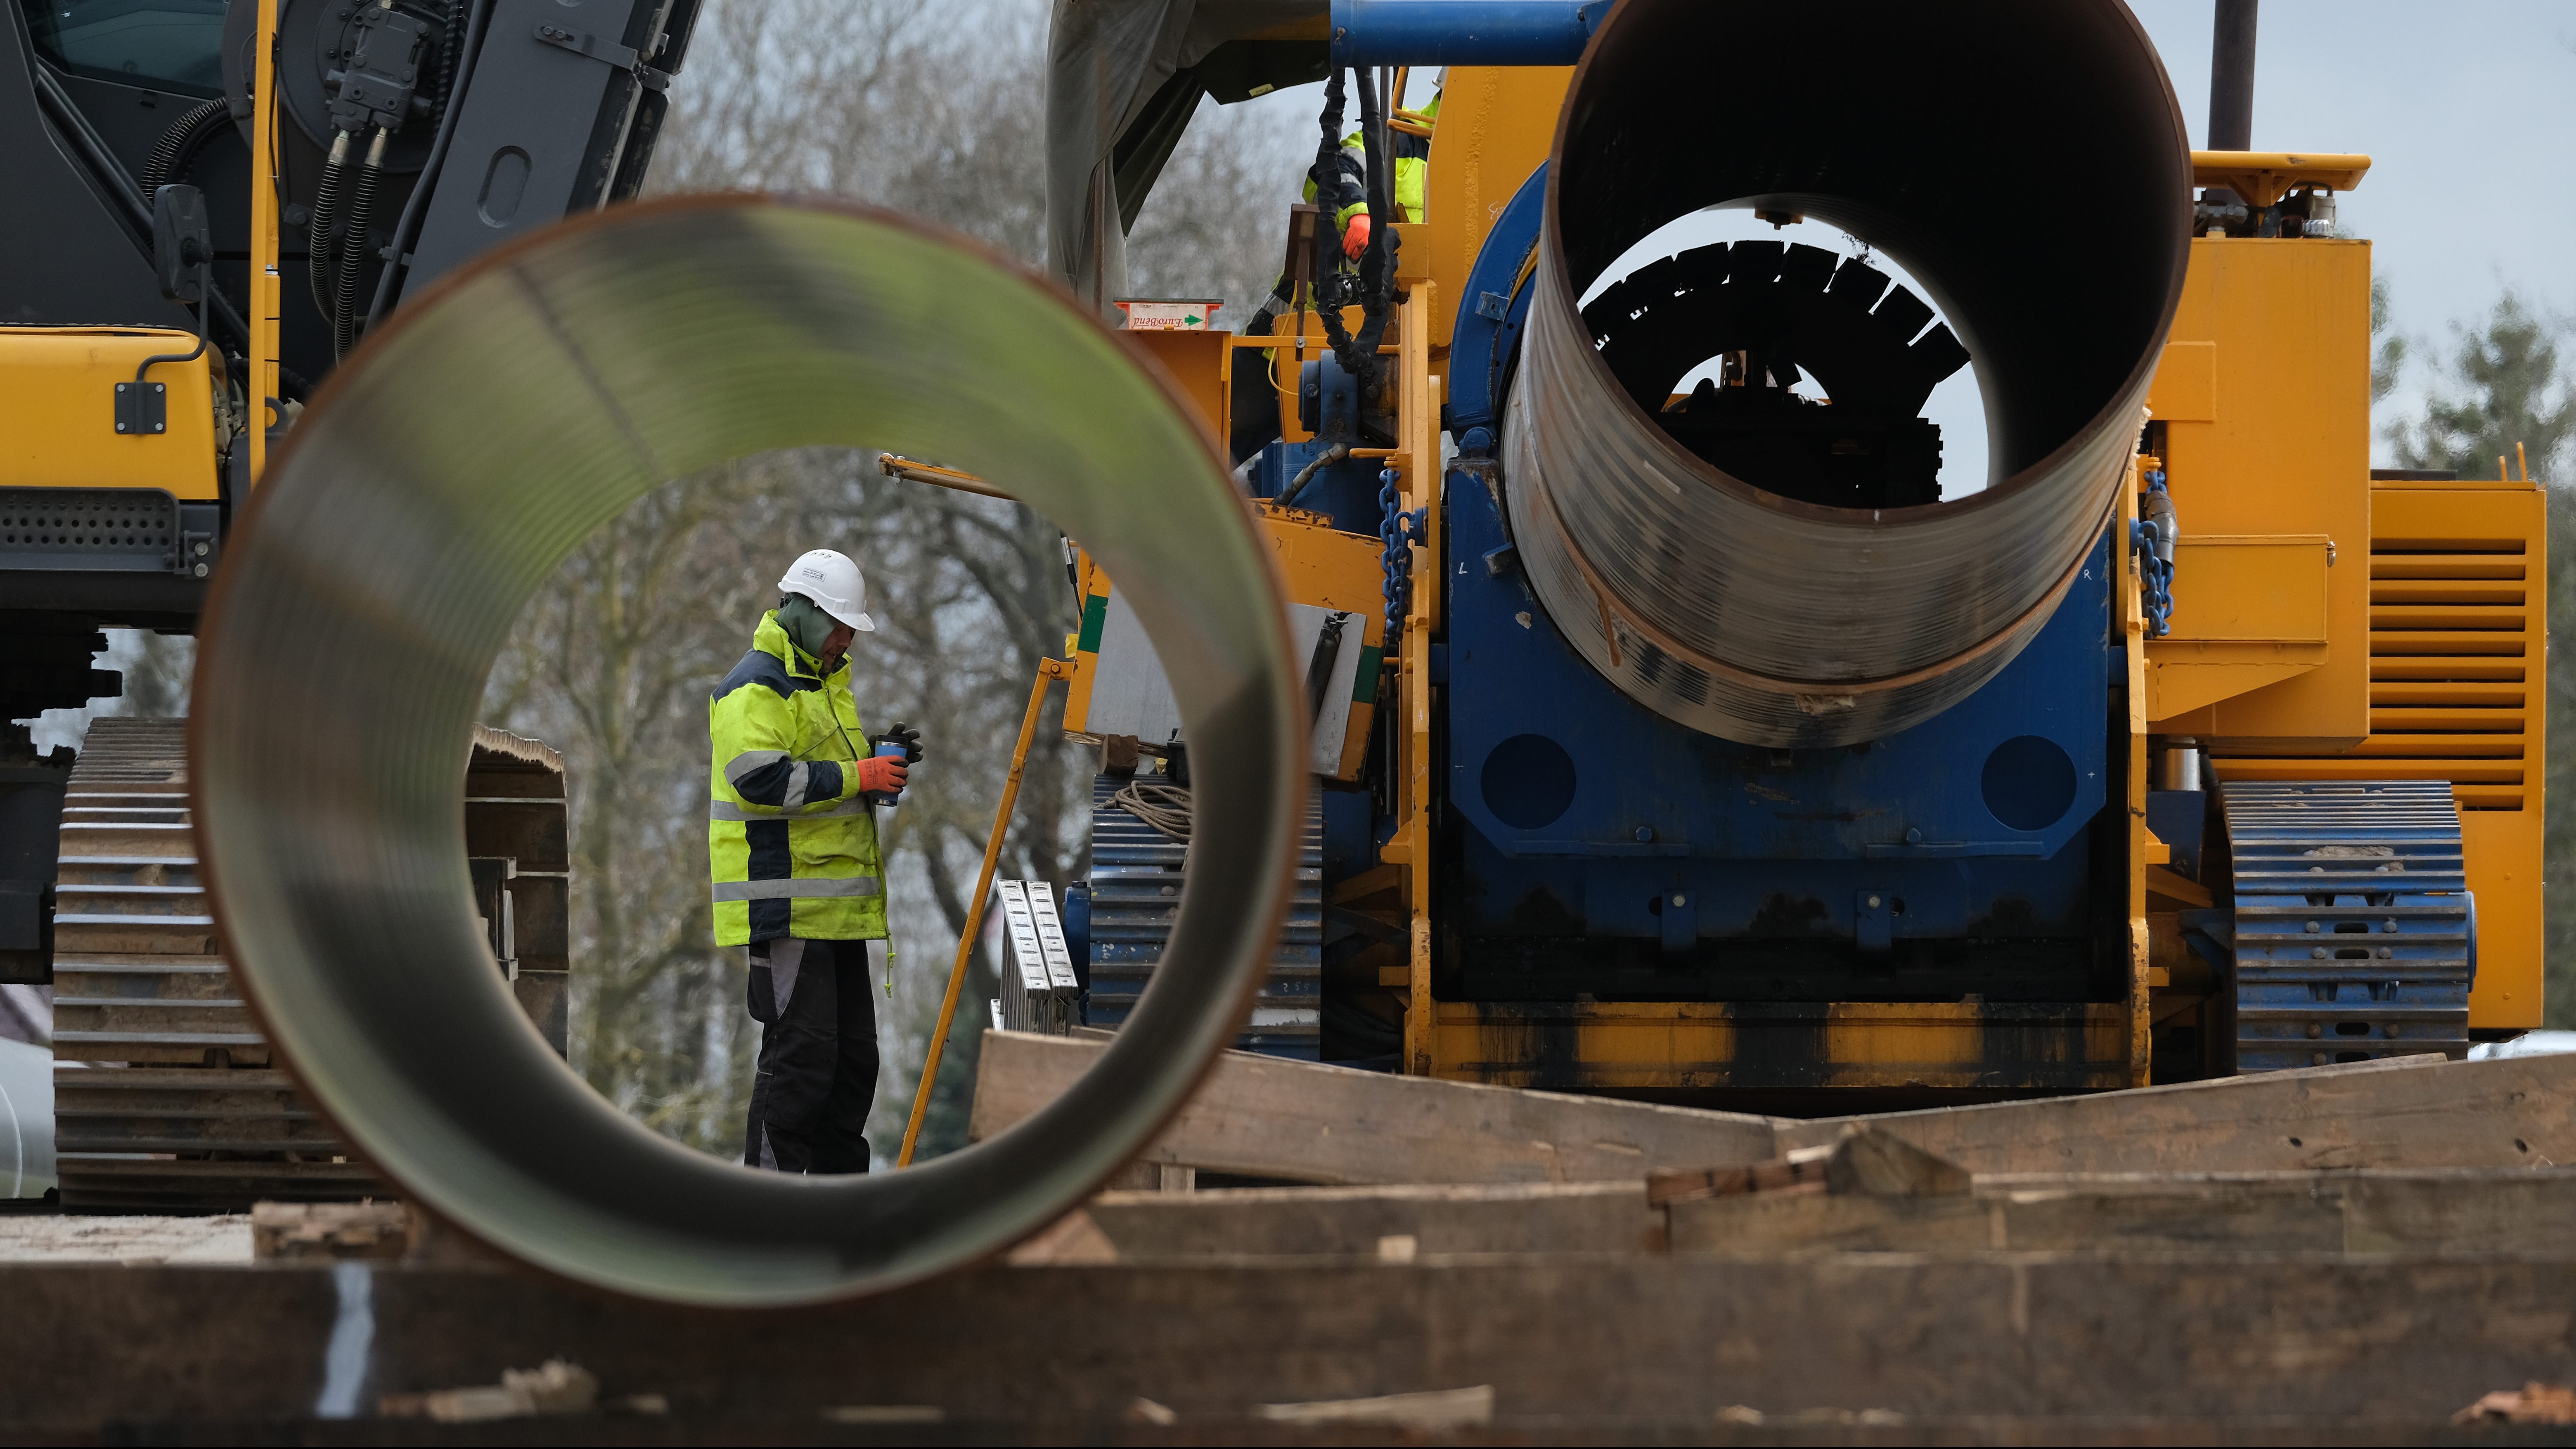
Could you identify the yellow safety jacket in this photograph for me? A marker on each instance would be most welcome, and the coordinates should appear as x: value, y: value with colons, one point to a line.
x: 1412, y: 173
x: 791, y: 844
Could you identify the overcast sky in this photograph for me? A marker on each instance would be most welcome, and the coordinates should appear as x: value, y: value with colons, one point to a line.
x: 2463, y: 109
x: 2464, y: 112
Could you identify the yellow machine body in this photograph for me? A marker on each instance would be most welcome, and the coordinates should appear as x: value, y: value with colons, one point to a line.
x: 58, y: 413
x: 1320, y: 566
x: 2329, y: 626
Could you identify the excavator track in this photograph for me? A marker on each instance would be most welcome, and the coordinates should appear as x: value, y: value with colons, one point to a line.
x: 2356, y: 934
x: 1135, y: 894
x: 166, y: 1096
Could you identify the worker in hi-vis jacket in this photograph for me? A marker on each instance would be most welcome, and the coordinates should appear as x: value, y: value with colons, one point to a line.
x: 799, y: 877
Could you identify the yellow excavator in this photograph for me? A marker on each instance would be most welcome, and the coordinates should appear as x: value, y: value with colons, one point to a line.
x: 216, y: 200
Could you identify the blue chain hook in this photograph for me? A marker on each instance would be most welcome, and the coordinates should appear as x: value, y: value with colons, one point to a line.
x: 1399, y: 531
x: 2155, y: 572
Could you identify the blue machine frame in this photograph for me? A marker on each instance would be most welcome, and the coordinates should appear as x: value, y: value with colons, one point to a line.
x: 1971, y: 828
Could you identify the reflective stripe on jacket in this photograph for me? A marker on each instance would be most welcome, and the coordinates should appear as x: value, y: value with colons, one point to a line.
x: 791, y: 845
x: 1412, y: 174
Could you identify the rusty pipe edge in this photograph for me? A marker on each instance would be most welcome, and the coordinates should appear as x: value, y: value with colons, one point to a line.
x: 440, y: 478
x: 1766, y: 620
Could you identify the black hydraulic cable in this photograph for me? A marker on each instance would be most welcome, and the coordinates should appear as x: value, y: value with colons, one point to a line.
x: 177, y: 149
x: 160, y: 357
x: 321, y: 257
x: 1324, y: 459
x: 407, y: 230
x: 353, y: 245
x: 1375, y: 269
x: 451, y: 45
x: 1328, y: 242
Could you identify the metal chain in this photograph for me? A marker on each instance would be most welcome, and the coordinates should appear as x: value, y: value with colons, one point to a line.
x: 2155, y: 573
x: 1399, y: 531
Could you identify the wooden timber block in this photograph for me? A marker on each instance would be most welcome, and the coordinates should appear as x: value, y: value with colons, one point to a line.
x: 1361, y: 1222
x: 2503, y: 1210
x: 2217, y: 1220
x: 1861, y: 1160
x: 292, y: 1231
x: 1801, y: 1170
x: 1591, y: 1341
x: 2407, y: 1112
x: 1258, y: 1116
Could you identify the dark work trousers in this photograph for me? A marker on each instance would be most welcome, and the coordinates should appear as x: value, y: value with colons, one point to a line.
x: 818, y: 1054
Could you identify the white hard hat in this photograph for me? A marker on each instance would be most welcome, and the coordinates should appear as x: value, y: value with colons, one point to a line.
x: 834, y: 584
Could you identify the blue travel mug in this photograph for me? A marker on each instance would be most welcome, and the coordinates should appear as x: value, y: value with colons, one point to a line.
x: 888, y: 798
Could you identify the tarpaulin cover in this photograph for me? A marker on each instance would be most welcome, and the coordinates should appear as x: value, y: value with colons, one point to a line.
x: 1121, y: 87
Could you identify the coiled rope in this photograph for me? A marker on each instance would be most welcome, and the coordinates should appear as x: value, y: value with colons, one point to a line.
x: 1166, y: 808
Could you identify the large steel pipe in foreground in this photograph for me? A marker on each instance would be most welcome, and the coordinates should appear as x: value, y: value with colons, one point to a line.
x: 438, y: 481
x: 2025, y: 161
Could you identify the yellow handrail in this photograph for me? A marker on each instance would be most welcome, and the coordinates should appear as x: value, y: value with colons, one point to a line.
x: 261, y: 294
x: 1049, y: 671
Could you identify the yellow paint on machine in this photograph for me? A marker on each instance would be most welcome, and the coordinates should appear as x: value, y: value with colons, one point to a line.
x: 2264, y: 401
x: 58, y: 411
x: 2458, y: 692
x: 2254, y: 614
x: 1681, y: 1046
x: 1320, y: 565
x: 1496, y: 125
x: 2327, y: 627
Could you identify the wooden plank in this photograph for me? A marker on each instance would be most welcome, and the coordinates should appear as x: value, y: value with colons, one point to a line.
x: 2240, y: 1219
x: 1301, y: 1121
x: 2482, y: 1211
x: 2388, y: 1213
x: 1583, y: 1340
x: 1406, y: 1222
x: 2412, y: 1112
x: 1860, y: 1161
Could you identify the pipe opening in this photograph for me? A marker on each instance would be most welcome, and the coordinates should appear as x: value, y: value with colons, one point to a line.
x: 1795, y: 358
x: 1782, y: 571
x: 2024, y: 160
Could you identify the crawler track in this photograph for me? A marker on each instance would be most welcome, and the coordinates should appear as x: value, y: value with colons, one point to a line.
x: 1135, y: 893
x: 165, y: 1095
x: 2355, y: 929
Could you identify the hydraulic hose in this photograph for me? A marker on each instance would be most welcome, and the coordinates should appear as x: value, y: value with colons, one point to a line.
x: 353, y: 245
x: 1306, y: 475
x: 177, y: 149
x: 1328, y: 285
x: 1361, y: 360
x: 407, y: 230
x: 321, y: 248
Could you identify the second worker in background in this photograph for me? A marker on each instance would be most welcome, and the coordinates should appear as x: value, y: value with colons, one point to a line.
x: 798, y: 874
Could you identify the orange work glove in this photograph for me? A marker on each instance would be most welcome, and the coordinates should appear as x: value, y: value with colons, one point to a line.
x: 882, y: 774
x: 1355, y: 236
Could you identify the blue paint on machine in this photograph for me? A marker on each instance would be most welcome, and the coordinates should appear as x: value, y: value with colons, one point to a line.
x: 1599, y: 839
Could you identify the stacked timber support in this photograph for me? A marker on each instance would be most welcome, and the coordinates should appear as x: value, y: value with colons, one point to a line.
x: 518, y: 842
x: 2348, y: 1253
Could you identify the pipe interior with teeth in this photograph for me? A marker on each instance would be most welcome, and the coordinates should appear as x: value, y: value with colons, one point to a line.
x: 1785, y: 574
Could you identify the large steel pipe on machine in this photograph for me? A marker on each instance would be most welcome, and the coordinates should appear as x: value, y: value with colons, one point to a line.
x: 439, y: 479
x: 2026, y: 162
